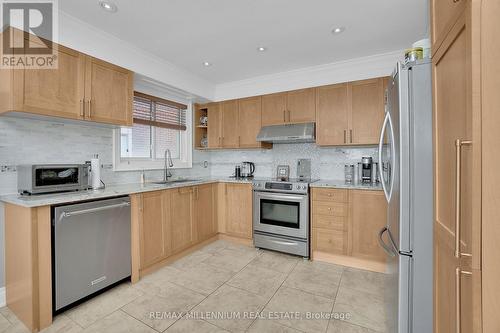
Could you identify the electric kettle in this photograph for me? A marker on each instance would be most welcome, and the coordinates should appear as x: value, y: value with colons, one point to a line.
x: 247, y: 169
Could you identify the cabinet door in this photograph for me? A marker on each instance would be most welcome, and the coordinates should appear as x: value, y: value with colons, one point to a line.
x: 368, y: 214
x: 214, y: 125
x: 301, y: 106
x: 238, y: 210
x: 230, y: 128
x: 367, y: 110
x: 250, y: 121
x: 109, y: 91
x: 181, y: 209
x: 444, y: 13
x: 205, y: 212
x: 152, y: 228
x: 332, y: 115
x: 274, y: 109
x: 455, y: 119
x: 56, y: 92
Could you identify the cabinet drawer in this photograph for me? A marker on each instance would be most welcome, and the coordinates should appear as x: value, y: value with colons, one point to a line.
x: 331, y: 241
x: 330, y: 194
x: 444, y: 14
x: 330, y: 208
x: 330, y: 222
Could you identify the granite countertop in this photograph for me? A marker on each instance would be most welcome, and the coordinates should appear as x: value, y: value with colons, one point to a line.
x: 326, y: 183
x: 111, y: 190
x: 114, y: 190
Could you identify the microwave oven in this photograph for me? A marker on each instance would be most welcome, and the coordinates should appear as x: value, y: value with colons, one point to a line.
x: 49, y: 178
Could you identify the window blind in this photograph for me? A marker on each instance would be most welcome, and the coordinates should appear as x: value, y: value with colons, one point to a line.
x: 158, y: 112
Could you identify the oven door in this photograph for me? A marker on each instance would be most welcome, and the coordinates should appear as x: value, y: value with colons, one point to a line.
x: 51, y: 178
x: 281, y: 214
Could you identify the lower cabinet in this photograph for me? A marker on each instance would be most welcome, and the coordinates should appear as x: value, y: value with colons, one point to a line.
x: 238, y: 210
x: 154, y: 227
x: 205, y: 211
x: 347, y: 222
x: 182, y: 212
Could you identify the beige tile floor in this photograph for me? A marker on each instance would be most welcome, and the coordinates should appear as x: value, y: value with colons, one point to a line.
x: 227, y: 287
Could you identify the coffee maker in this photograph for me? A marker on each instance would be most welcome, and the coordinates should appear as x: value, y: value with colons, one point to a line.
x: 366, y: 169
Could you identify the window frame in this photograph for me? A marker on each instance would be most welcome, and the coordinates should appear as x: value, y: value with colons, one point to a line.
x: 136, y: 164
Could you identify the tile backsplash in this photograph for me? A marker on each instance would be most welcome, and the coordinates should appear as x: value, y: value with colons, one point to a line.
x: 29, y: 141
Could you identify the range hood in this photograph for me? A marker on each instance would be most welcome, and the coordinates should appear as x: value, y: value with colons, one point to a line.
x: 289, y: 133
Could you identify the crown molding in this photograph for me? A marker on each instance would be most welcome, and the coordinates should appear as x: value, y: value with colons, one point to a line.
x: 337, y: 72
x: 81, y: 36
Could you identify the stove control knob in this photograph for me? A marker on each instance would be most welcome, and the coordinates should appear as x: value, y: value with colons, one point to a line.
x: 304, y: 187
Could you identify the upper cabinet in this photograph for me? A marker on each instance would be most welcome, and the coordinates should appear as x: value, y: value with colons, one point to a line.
x: 350, y: 113
x: 109, y: 91
x: 231, y: 124
x: 296, y: 106
x: 81, y: 88
x: 301, y: 106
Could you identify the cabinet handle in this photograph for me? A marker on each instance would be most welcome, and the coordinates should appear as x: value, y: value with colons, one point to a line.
x: 289, y: 116
x: 90, y: 108
x: 455, y: 1
x: 458, y: 297
x: 82, y: 108
x: 284, y: 116
x: 350, y: 135
x: 345, y: 136
x: 458, y: 160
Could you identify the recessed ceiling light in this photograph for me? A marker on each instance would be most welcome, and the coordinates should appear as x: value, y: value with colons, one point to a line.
x: 108, y: 6
x: 207, y: 64
x: 262, y: 48
x: 338, y: 30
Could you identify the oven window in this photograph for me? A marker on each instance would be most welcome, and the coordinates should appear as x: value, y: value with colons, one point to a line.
x: 280, y: 213
x: 56, y: 176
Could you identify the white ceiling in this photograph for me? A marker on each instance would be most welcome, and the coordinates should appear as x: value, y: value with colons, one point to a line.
x: 227, y: 33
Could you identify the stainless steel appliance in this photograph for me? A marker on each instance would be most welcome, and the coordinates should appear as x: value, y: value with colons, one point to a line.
x: 47, y: 178
x: 281, y: 216
x: 405, y: 168
x: 366, y: 169
x: 247, y: 169
x: 91, y: 248
x: 288, y: 133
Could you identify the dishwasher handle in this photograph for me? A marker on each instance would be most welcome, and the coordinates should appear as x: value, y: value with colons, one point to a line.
x: 93, y: 210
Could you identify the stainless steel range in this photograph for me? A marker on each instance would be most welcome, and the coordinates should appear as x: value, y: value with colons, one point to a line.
x: 281, y: 215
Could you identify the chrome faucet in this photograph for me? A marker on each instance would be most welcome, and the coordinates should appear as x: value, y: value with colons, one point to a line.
x: 168, y: 164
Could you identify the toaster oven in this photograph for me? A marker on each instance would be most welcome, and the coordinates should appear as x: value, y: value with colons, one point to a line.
x: 49, y: 178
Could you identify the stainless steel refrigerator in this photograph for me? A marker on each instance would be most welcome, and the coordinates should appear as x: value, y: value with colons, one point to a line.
x: 405, y: 166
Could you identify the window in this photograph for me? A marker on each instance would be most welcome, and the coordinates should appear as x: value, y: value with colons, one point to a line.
x: 159, y: 124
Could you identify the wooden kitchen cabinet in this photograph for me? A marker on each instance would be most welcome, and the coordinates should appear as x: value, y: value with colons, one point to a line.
x: 214, y: 125
x: 444, y: 14
x: 205, y: 211
x: 81, y: 88
x: 456, y: 71
x: 368, y: 215
x: 250, y: 121
x: 345, y: 226
x: 182, y: 217
x: 367, y: 110
x: 350, y: 113
x: 332, y: 114
x: 274, y: 109
x: 230, y: 122
x: 301, y: 106
x: 238, y: 210
x: 154, y: 227
x: 109, y: 91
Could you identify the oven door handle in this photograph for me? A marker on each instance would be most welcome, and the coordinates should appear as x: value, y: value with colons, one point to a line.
x: 282, y: 197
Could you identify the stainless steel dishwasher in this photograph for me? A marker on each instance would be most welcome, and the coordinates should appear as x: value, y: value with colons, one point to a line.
x: 91, y: 248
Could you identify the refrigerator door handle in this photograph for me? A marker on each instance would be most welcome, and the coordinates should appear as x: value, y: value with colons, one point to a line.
x: 384, y: 246
x: 380, y: 164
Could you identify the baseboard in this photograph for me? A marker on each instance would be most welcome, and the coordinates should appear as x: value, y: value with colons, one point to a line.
x: 3, y: 301
x: 369, y: 265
